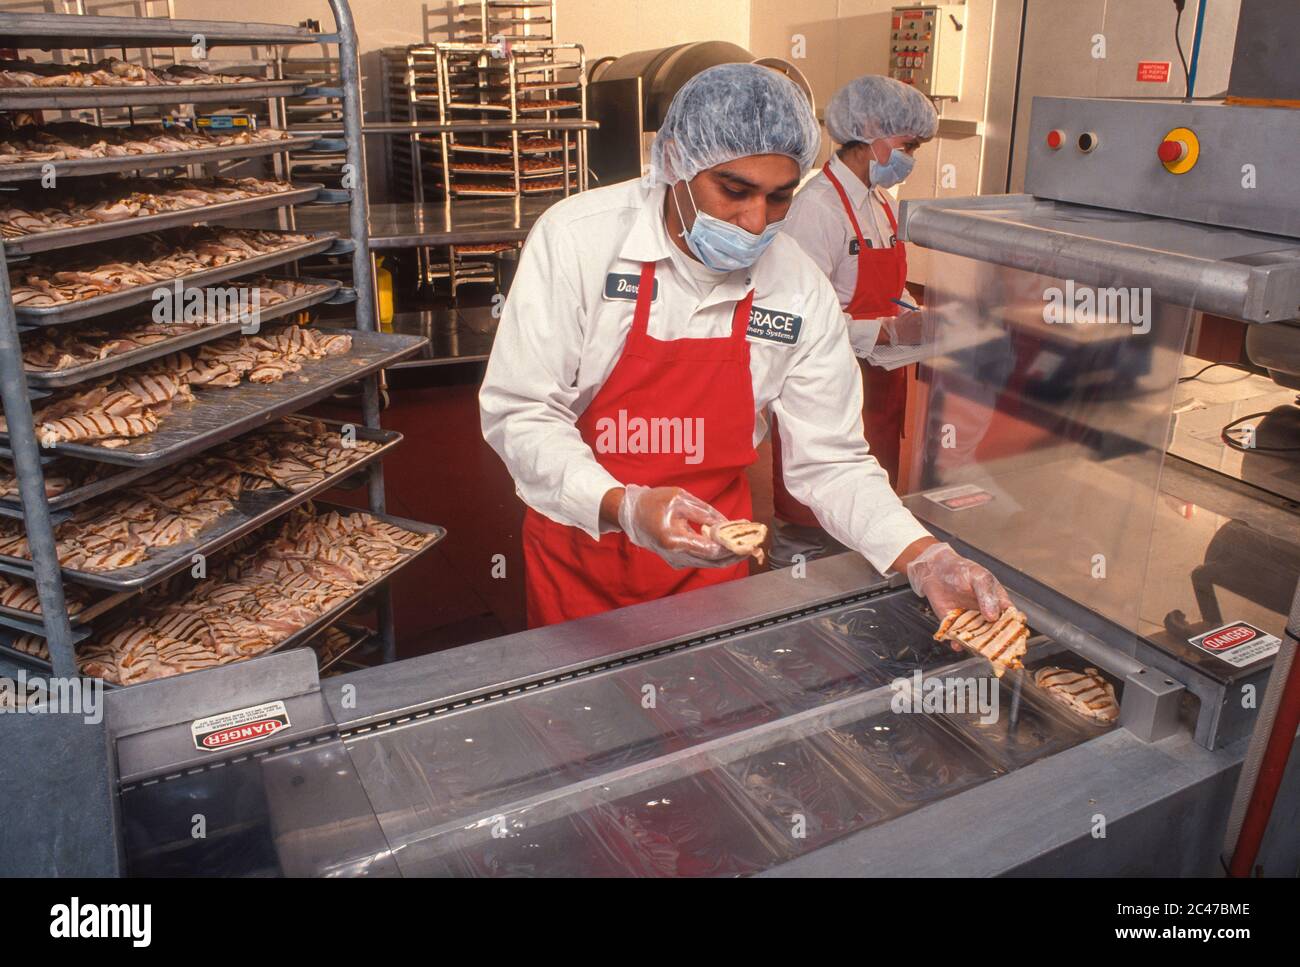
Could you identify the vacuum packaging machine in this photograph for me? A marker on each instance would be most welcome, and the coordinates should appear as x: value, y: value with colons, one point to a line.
x: 780, y: 725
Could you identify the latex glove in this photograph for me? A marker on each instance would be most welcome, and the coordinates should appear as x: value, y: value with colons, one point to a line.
x: 904, y: 329
x: 947, y: 580
x: 863, y: 334
x: 660, y: 518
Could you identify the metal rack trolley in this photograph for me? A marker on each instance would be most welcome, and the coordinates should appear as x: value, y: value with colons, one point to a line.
x: 80, y: 32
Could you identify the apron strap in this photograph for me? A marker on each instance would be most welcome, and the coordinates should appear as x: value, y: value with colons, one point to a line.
x: 889, y: 213
x: 644, y: 295
x: 740, y: 319
x: 848, y: 207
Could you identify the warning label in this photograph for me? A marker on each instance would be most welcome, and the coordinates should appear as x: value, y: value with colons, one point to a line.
x: 1153, y: 71
x: 961, y: 497
x: 230, y: 729
x: 1238, y: 643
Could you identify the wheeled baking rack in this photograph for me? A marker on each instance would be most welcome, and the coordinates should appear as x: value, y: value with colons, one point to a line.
x: 213, y: 419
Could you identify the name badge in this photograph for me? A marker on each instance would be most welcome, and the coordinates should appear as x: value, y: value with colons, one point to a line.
x: 619, y: 285
x: 774, y: 325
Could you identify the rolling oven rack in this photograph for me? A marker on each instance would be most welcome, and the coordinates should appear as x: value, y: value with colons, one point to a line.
x: 258, y: 405
x: 495, y: 138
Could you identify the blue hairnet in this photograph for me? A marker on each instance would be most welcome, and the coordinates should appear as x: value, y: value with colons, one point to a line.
x: 874, y: 107
x: 733, y: 111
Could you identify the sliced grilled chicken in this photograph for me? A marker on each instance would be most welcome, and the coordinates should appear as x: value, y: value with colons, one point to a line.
x: 1002, y: 642
x: 743, y: 537
x: 1086, y: 692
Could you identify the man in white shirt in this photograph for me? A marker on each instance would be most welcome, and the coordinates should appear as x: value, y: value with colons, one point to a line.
x: 846, y: 221
x: 650, y: 326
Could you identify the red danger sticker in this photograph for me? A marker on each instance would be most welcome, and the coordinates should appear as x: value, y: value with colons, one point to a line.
x: 1238, y: 643
x: 1153, y: 71
x: 230, y: 729
x: 1236, y: 635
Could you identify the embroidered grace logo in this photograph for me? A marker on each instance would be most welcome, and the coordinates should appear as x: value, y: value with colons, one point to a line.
x: 658, y: 434
x: 1085, y: 305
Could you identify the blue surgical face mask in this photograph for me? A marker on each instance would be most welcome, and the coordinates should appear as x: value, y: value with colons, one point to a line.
x: 892, y: 172
x: 720, y: 245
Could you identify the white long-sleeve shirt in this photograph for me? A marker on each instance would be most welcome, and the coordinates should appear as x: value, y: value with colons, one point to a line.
x: 566, y: 320
x: 818, y: 222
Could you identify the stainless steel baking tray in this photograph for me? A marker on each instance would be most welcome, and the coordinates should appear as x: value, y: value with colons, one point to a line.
x: 307, y: 632
x: 74, y: 495
x: 56, y: 98
x: 88, y: 234
x: 221, y: 413
x: 8, y: 633
x: 252, y: 510
x: 77, y: 167
x: 357, y: 636
x: 331, y: 617
x: 102, y: 367
x: 73, y: 311
x: 51, y: 30
x: 27, y: 621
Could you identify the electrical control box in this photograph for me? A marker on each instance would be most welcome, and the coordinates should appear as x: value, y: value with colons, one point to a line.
x: 926, y: 47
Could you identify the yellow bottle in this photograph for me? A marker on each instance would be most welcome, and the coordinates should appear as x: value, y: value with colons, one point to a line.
x: 384, y: 286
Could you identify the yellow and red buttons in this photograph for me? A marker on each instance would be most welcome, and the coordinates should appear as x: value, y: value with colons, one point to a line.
x: 1055, y: 138
x: 1179, y: 150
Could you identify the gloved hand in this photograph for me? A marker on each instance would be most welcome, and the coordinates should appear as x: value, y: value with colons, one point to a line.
x: 660, y: 518
x: 947, y: 580
x: 904, y: 329
x: 863, y: 334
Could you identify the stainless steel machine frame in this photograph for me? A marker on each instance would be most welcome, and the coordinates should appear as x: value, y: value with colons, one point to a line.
x: 1160, y: 804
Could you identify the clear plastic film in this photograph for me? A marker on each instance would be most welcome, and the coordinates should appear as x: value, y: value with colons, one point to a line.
x: 721, y: 759
x: 1044, y: 417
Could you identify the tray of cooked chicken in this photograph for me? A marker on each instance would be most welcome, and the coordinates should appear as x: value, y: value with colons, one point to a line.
x: 74, y: 148
x: 52, y: 290
x: 151, y: 414
x: 55, y: 357
x: 20, y: 605
x: 26, y: 85
x: 38, y: 220
x: 67, y: 482
x: 310, y: 569
x: 127, y: 540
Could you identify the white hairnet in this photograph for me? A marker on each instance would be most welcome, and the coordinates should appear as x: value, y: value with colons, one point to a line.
x: 874, y: 107
x: 733, y: 111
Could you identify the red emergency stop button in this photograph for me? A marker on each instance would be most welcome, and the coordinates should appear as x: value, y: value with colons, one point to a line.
x: 1179, y: 150
x: 1172, y: 152
x: 1055, y: 138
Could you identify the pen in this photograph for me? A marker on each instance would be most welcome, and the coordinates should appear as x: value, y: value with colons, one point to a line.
x: 900, y: 302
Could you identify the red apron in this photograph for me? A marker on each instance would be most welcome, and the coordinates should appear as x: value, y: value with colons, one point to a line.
x: 882, y: 273
x: 568, y: 575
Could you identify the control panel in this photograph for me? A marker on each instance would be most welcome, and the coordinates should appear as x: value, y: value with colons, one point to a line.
x: 926, y: 47
x: 1200, y: 161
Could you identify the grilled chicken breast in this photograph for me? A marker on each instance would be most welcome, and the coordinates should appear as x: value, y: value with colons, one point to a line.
x: 743, y: 537
x: 1002, y: 642
x: 1086, y: 692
